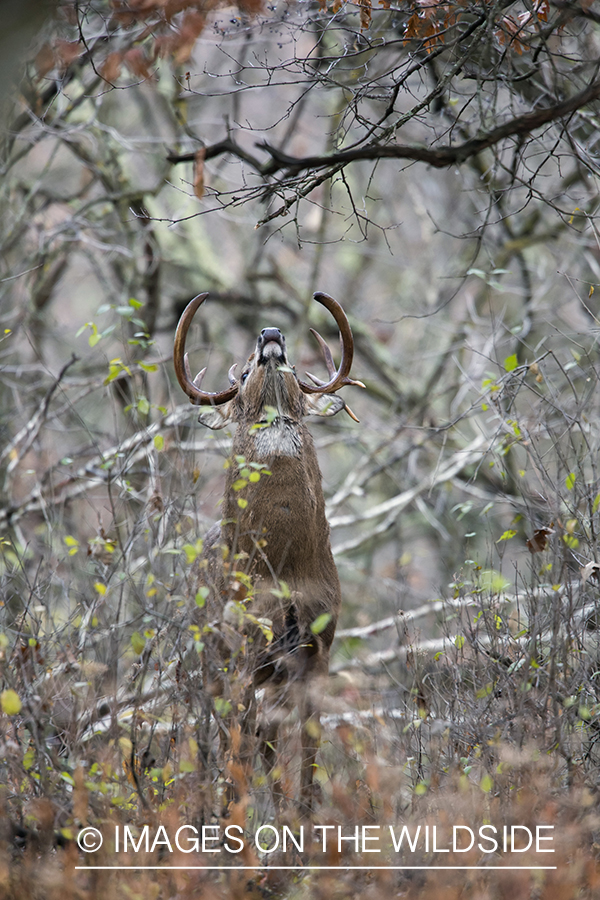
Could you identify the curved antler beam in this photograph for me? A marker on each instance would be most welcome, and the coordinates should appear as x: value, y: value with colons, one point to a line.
x: 337, y: 378
x: 191, y: 386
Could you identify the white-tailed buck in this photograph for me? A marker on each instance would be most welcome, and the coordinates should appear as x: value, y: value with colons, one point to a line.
x: 273, y: 592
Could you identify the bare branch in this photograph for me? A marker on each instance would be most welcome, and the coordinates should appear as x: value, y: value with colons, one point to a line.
x: 445, y: 156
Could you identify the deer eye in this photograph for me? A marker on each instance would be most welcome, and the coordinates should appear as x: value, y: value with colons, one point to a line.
x: 244, y: 376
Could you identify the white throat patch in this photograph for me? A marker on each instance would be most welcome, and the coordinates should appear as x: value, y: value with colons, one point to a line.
x: 280, y: 438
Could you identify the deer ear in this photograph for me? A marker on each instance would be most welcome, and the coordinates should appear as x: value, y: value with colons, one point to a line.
x: 216, y: 417
x: 323, y: 404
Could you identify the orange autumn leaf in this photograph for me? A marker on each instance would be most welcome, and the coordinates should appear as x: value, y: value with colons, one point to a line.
x: 111, y: 68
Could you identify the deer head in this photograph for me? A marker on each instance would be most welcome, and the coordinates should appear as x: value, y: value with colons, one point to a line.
x: 267, y: 380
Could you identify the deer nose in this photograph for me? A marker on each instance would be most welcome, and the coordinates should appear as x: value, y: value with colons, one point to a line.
x: 271, y: 334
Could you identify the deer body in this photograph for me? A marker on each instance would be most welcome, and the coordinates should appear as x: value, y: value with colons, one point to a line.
x: 274, y: 529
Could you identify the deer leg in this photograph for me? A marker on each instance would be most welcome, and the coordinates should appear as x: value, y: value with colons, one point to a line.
x: 268, y: 735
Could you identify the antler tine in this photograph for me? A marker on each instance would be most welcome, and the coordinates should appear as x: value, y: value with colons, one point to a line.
x: 191, y: 386
x: 197, y: 381
x: 337, y: 378
x: 331, y: 370
x: 319, y: 382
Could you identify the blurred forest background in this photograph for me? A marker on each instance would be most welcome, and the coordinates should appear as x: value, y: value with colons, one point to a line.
x: 433, y: 166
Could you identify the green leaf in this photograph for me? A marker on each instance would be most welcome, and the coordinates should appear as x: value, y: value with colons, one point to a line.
x: 459, y: 641
x: 321, y: 623
x: 10, y: 702
x: 115, y: 368
x: 486, y: 783
x: 284, y: 592
x: 222, y: 706
x: 147, y: 367
x: 570, y: 481
x: 491, y: 580
x: 191, y: 553
x: 94, y: 336
x: 72, y: 543
x: 201, y: 597
x: 137, y: 642
x: 507, y: 535
x: 143, y: 406
x: 159, y: 442
x: 511, y: 362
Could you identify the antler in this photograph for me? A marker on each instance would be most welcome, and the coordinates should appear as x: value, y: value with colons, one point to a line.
x: 337, y: 377
x: 190, y: 385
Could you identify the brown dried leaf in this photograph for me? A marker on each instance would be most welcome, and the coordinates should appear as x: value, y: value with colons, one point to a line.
x: 436, y: 38
x: 111, y: 69
x: 67, y: 52
x: 411, y: 30
x: 44, y: 60
x: 80, y: 795
x: 365, y: 14
x: 539, y: 539
x: 137, y: 62
x: 592, y: 569
x: 191, y: 28
x: 507, y: 34
x: 251, y: 7
x: 237, y: 815
x: 237, y: 591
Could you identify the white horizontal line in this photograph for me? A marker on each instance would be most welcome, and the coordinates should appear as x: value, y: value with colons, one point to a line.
x: 318, y: 868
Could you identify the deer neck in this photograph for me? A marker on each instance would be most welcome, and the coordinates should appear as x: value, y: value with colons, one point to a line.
x: 280, y: 437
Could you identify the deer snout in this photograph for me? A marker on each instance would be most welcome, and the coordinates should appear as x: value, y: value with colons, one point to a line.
x: 270, y: 344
